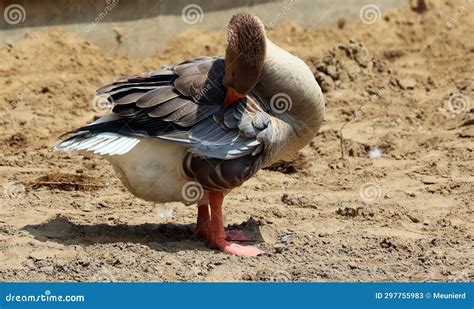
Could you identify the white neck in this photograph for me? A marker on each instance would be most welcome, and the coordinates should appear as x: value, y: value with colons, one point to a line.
x: 285, y: 75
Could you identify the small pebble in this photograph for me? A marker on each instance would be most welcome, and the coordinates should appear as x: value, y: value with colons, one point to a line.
x: 279, y: 248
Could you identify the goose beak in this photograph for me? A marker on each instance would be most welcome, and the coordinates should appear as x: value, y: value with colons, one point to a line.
x: 232, y: 96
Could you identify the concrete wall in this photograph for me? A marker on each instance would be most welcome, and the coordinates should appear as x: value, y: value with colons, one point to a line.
x: 142, y: 27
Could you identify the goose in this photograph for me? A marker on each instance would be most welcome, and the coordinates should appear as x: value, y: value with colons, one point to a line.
x: 206, y: 125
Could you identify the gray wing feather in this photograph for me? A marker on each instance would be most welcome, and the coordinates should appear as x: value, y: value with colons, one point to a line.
x: 169, y: 107
x: 157, y: 96
x: 230, y: 120
x: 188, y: 108
x: 183, y: 104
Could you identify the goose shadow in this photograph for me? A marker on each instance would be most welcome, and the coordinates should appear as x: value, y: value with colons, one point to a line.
x: 167, y: 237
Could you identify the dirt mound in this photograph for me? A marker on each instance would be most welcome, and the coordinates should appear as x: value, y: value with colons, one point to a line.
x: 347, y: 63
x: 384, y: 192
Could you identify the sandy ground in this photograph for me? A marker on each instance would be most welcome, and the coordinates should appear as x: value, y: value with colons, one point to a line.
x: 401, y: 87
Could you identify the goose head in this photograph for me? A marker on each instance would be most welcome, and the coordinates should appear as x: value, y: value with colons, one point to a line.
x: 244, y: 56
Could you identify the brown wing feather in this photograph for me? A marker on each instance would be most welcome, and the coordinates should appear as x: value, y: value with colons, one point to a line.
x: 169, y: 107
x: 157, y: 96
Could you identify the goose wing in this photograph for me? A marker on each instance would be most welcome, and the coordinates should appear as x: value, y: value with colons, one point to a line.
x: 183, y: 104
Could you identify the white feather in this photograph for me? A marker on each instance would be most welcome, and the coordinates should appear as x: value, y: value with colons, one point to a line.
x: 98, y: 145
x: 103, y: 145
x: 129, y: 145
x: 116, y: 150
x: 110, y: 148
x: 106, y: 143
x: 86, y: 144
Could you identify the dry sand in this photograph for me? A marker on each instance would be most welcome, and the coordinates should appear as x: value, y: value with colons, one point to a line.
x: 403, y: 86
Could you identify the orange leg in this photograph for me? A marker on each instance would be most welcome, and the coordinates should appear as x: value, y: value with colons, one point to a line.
x: 217, y: 236
x: 202, y: 227
x: 202, y: 224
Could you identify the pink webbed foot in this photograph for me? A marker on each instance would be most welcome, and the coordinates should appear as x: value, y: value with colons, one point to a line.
x: 239, y: 250
x: 217, y: 234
